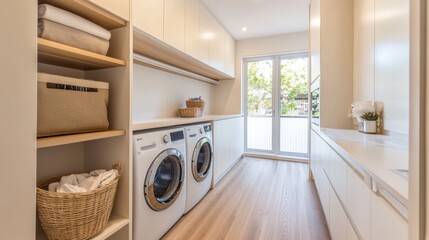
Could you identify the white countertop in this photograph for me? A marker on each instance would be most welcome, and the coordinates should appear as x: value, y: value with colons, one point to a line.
x: 377, y: 155
x: 168, y: 122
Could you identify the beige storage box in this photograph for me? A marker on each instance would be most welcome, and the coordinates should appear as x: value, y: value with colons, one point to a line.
x: 69, y: 105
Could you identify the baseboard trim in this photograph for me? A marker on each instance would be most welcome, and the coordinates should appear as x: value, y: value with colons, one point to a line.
x: 276, y: 157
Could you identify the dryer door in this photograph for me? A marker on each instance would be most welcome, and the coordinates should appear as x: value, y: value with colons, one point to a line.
x: 164, y: 180
x: 201, y: 159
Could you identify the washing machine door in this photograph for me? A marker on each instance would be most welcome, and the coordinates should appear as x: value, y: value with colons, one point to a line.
x: 201, y: 159
x: 164, y: 180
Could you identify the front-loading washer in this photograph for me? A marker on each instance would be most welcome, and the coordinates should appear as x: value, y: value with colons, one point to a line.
x: 199, y: 163
x: 159, y: 182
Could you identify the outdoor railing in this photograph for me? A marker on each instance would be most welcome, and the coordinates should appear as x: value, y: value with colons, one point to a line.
x: 293, y: 133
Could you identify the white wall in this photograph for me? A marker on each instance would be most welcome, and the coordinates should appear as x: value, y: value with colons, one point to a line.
x: 228, y: 95
x: 18, y: 119
x: 158, y: 94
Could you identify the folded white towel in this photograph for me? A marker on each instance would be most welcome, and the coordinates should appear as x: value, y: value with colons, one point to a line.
x: 84, y: 182
x: 72, y: 20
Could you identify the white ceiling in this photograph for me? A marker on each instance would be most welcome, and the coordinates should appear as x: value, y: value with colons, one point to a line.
x: 260, y: 17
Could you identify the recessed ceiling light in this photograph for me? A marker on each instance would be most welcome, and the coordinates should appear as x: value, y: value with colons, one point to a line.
x: 244, y: 29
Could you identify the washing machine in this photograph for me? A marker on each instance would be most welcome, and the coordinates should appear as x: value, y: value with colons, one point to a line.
x: 199, y: 163
x: 159, y: 182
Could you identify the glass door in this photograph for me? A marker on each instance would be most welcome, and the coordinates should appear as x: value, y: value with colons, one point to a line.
x: 259, y: 104
x: 294, y: 105
x: 276, y: 104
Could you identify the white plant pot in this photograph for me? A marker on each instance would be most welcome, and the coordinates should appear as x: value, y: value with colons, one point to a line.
x: 370, y: 126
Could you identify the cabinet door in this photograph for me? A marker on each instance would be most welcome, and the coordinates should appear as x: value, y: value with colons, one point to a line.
x: 386, y: 223
x: 359, y: 204
x: 324, y: 193
x: 337, y: 218
x: 221, y: 48
x: 315, y: 39
x: 351, y: 234
x: 338, y: 175
x: 148, y: 16
x: 204, y: 33
x: 191, y: 27
x: 325, y: 156
x: 213, y: 41
x: 363, y: 64
x: 119, y: 8
x: 229, y: 55
x: 174, y: 23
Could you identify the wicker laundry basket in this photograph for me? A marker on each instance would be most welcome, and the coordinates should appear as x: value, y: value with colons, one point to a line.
x: 190, y: 112
x: 195, y: 104
x: 74, y: 216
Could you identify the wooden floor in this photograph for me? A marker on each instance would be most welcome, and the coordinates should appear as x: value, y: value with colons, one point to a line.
x: 258, y: 199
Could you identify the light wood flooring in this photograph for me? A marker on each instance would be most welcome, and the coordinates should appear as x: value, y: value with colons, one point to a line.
x: 257, y: 199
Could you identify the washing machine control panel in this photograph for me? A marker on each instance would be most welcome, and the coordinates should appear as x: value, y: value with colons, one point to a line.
x: 176, y: 136
x: 207, y: 128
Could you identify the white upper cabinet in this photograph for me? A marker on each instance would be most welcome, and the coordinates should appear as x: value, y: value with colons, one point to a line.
x: 119, y: 8
x: 229, y: 61
x: 191, y: 27
x: 204, y: 34
x: 188, y: 26
x: 315, y: 39
x: 149, y: 16
x: 174, y: 23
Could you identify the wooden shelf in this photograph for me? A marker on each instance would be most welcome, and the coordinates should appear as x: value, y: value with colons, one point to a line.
x: 115, y: 224
x: 89, y: 11
x: 45, y: 142
x: 146, y: 45
x: 66, y: 56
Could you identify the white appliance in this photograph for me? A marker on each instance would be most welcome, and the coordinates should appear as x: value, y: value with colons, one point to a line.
x: 159, y: 182
x: 199, y: 163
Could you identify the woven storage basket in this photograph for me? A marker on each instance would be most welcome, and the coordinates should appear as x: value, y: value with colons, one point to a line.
x: 195, y: 104
x: 74, y: 216
x: 190, y: 112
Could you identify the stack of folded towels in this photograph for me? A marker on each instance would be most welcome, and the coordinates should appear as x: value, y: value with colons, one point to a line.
x: 84, y: 182
x: 61, y: 26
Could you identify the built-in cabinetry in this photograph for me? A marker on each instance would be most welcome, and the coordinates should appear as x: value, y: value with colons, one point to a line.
x: 352, y: 210
x: 378, y: 62
x: 331, y: 58
x: 77, y: 153
x: 227, y: 145
x: 183, y: 33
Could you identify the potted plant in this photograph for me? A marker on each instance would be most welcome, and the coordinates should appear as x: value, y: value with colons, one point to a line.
x: 370, y: 122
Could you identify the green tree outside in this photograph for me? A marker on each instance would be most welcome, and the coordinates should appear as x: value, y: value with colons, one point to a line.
x: 293, y: 83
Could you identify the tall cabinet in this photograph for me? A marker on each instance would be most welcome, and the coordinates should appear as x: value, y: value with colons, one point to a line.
x: 331, y: 58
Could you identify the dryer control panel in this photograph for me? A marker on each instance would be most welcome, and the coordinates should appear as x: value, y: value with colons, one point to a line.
x: 176, y: 136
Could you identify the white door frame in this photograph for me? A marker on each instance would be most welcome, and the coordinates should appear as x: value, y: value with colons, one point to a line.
x: 275, y: 102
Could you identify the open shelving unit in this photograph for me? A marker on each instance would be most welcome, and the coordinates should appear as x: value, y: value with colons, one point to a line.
x: 66, y: 56
x: 77, y: 138
x: 84, y: 152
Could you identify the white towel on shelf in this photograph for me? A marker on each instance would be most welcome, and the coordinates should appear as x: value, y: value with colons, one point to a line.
x: 58, y: 15
x: 84, y: 182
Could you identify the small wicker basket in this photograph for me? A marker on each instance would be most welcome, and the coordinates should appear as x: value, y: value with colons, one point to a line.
x: 74, y: 216
x: 190, y: 112
x: 195, y: 104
